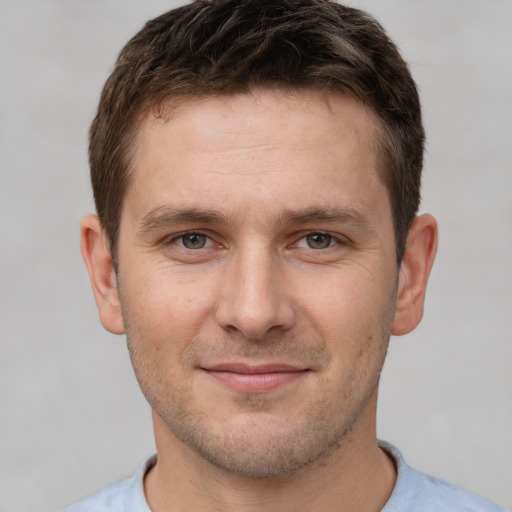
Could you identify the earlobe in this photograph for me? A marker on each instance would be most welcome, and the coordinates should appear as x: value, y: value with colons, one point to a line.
x: 414, y: 272
x: 98, y: 261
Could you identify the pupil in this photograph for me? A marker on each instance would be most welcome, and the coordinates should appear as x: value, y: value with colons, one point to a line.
x: 194, y: 241
x: 319, y: 241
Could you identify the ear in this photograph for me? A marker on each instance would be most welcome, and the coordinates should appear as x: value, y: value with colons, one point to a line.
x: 97, y: 259
x: 415, y: 268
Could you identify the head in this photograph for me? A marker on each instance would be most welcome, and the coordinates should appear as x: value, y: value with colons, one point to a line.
x: 220, y: 47
x: 256, y: 170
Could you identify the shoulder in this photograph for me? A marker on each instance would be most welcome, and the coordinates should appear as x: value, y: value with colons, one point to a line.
x: 417, y: 492
x: 124, y: 496
x: 110, y: 498
x: 433, y: 494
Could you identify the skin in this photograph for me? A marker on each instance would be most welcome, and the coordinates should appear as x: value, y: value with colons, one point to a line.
x: 258, y: 288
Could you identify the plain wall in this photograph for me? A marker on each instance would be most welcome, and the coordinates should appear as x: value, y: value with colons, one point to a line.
x: 72, y: 419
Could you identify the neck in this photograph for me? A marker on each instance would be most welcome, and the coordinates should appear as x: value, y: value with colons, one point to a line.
x: 356, y: 475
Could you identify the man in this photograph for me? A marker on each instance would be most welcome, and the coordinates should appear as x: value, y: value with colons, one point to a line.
x: 256, y: 169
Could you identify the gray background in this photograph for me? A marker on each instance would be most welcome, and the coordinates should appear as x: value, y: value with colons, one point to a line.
x: 71, y: 416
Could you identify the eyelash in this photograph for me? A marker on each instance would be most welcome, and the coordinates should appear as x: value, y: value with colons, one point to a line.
x: 180, y: 236
x: 333, y: 240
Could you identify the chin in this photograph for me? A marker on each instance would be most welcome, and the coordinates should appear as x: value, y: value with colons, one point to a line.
x: 265, y: 448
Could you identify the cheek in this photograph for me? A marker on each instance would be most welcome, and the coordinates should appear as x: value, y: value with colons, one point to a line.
x: 345, y: 302
x: 163, y: 314
x: 165, y: 293
x: 352, y: 313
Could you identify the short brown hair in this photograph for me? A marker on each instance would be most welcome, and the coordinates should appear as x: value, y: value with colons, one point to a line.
x: 213, y: 47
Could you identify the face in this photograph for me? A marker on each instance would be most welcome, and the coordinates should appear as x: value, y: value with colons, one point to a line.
x: 257, y: 276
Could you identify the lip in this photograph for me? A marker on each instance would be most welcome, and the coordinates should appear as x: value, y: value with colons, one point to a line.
x: 250, y: 378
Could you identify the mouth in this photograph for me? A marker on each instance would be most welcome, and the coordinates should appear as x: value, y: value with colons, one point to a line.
x: 255, y: 378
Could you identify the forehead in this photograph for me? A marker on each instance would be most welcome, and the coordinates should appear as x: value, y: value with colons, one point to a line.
x: 287, y: 146
x: 241, y: 114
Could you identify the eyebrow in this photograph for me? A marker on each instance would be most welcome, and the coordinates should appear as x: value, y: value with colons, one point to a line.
x: 164, y: 216
x: 326, y: 215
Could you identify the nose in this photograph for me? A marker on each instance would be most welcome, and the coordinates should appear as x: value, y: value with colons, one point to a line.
x: 254, y: 298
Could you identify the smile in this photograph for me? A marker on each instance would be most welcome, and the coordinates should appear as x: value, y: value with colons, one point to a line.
x: 255, y: 379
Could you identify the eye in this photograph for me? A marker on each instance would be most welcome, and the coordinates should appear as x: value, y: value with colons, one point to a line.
x: 193, y: 240
x: 319, y: 240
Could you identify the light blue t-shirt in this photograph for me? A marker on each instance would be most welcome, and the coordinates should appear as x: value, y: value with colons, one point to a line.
x: 413, y: 492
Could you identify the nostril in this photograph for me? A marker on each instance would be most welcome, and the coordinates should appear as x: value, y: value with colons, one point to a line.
x: 255, y: 323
